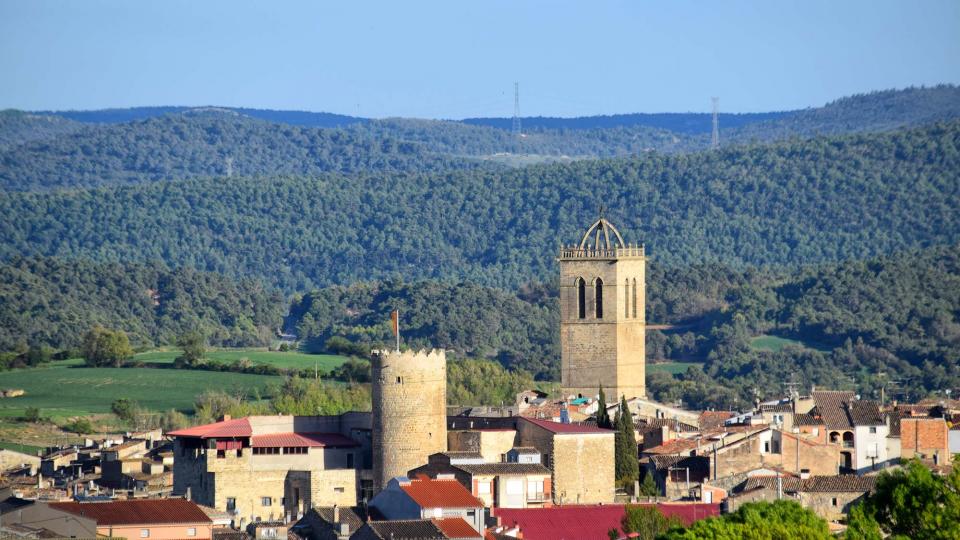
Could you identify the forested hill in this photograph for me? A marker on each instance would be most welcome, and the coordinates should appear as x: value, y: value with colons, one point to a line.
x: 54, y: 302
x: 203, y: 143
x: 800, y: 202
x: 18, y: 127
x: 295, y: 118
x: 875, y: 111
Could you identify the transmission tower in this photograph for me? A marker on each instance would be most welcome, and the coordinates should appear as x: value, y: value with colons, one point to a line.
x: 715, y: 138
x: 516, y: 109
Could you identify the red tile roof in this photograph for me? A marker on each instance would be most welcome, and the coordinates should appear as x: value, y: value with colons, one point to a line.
x: 557, y: 427
x: 587, y: 522
x: 440, y: 494
x: 137, y: 512
x: 456, y: 528
x: 239, y: 427
x: 309, y: 440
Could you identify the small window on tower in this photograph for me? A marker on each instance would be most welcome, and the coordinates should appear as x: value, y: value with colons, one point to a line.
x: 599, y: 295
x: 399, y: 380
x: 581, y: 298
x: 634, y: 298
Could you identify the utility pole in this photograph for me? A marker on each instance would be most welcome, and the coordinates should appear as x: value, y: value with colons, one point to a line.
x: 517, y: 130
x: 715, y: 136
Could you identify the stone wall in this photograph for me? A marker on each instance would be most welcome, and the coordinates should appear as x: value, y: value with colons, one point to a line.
x: 924, y: 436
x: 830, y: 506
x: 409, y: 411
x: 582, y: 464
x: 609, y: 350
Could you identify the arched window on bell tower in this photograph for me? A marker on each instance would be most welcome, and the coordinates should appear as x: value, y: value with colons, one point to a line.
x: 634, y: 298
x: 581, y: 298
x: 626, y: 298
x: 598, y: 291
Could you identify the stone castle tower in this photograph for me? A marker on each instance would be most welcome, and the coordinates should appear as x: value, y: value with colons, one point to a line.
x: 409, y: 411
x: 602, y: 320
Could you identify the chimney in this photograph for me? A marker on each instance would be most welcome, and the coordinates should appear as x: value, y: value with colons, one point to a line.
x: 804, y: 474
x: 226, y: 418
x: 336, y: 514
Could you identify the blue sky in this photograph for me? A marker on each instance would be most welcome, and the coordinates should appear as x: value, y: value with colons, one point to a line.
x: 454, y: 59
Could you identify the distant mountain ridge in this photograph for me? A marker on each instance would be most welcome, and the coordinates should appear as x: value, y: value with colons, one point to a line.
x: 295, y: 118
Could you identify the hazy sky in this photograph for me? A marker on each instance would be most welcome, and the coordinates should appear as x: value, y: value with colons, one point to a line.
x: 453, y: 58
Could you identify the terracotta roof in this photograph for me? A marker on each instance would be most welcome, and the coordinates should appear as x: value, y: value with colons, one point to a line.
x: 673, y: 446
x: 309, y: 440
x: 571, y: 522
x: 413, y: 529
x: 239, y: 427
x: 456, y: 528
x: 843, y: 482
x: 560, y: 428
x: 830, y: 405
x: 805, y: 419
x: 525, y: 450
x: 503, y: 468
x: 864, y: 413
x: 713, y: 419
x: 137, y: 511
x: 429, y: 493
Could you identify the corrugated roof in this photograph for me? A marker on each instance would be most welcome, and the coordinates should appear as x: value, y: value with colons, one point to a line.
x: 456, y: 528
x: 308, y: 440
x: 430, y: 493
x: 560, y: 428
x: 137, y: 511
x: 588, y: 522
x: 238, y: 427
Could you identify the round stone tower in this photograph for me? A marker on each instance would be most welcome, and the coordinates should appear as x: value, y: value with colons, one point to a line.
x: 409, y: 411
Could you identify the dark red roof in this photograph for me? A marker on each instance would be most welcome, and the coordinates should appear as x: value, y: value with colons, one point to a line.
x: 430, y: 493
x: 309, y: 440
x: 456, y: 528
x: 239, y: 427
x: 137, y: 512
x: 558, y: 427
x: 589, y: 522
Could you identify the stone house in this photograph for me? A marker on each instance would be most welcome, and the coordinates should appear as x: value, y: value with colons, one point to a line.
x: 426, y: 498
x: 330, y: 523
x: 10, y: 459
x: 856, y: 429
x: 505, y: 484
x: 270, y: 467
x: 491, y: 443
x: 830, y: 497
x: 579, y: 456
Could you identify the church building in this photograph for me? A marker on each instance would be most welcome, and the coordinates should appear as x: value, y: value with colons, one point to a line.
x: 602, y: 320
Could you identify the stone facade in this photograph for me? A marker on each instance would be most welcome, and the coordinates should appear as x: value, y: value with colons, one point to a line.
x: 602, y: 315
x: 582, y: 463
x: 492, y: 444
x: 409, y: 411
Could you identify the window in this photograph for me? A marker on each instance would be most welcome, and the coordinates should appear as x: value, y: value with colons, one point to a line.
x: 834, y: 501
x: 338, y: 489
x: 626, y: 298
x: 766, y: 447
x: 581, y: 298
x: 231, y: 504
x: 350, y: 460
x: 266, y: 501
x: 634, y: 298
x: 192, y: 531
x: 546, y: 460
x: 598, y: 292
x: 399, y: 380
x: 534, y: 490
x: 873, y: 429
x: 483, y: 488
x: 144, y: 533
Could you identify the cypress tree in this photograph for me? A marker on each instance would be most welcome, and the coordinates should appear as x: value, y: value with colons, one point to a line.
x: 627, y: 464
x: 603, y: 417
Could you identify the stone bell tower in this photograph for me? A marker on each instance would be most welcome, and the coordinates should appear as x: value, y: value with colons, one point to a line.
x: 602, y: 321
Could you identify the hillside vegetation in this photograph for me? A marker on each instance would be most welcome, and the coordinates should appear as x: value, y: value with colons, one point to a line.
x: 203, y: 143
x: 801, y: 202
x: 54, y: 302
x: 18, y: 127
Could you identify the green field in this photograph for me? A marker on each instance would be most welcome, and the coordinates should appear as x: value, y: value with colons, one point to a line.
x: 767, y: 342
x: 673, y: 368
x: 66, y: 388
x: 24, y: 448
x: 286, y: 360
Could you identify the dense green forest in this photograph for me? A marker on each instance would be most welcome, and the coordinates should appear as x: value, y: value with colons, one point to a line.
x: 208, y: 142
x: 799, y: 202
x: 166, y: 143
x: 17, y: 127
x: 54, y: 302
